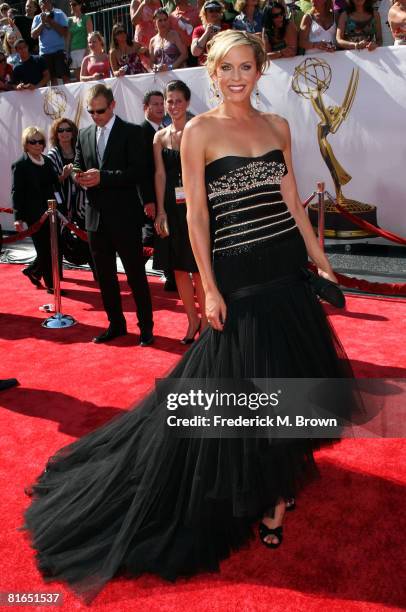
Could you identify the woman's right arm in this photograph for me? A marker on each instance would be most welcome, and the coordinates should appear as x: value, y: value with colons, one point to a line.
x: 304, y: 42
x: 160, y: 184
x: 193, y: 170
x: 84, y: 75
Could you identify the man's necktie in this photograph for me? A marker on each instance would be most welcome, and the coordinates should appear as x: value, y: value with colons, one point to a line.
x: 101, y: 144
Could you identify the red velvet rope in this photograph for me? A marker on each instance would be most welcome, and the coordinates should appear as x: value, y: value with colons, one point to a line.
x: 346, y: 281
x: 369, y: 226
x: 76, y: 230
x: 6, y: 210
x: 352, y: 282
x: 28, y: 232
x: 147, y: 251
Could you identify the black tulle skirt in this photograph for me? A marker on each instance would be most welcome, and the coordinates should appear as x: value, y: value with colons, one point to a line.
x: 130, y: 497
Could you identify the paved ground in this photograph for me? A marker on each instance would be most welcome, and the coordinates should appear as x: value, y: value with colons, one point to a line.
x: 373, y: 262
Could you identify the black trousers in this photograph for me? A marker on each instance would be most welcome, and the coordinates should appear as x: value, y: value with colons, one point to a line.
x: 43, y: 262
x: 104, y: 243
x: 41, y: 267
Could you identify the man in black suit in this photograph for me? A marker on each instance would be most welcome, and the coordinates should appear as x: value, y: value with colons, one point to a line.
x: 154, y: 110
x: 110, y: 164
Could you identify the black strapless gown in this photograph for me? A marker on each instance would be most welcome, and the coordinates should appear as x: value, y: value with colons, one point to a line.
x: 174, y: 252
x: 130, y: 497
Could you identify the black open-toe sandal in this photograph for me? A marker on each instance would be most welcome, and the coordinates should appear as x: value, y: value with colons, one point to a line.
x: 290, y: 504
x: 265, y: 531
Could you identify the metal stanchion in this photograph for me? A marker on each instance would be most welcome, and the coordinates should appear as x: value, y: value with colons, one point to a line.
x: 320, y: 218
x: 57, y: 320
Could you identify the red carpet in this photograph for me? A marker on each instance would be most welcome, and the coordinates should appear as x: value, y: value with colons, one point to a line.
x: 343, y: 544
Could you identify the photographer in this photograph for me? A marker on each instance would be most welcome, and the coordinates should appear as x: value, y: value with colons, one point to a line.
x: 51, y: 28
x: 212, y: 14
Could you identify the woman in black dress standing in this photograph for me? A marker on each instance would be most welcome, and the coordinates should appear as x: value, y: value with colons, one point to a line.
x: 34, y: 182
x: 173, y: 251
x: 134, y: 496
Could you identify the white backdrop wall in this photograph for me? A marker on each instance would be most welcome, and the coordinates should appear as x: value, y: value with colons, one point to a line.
x: 370, y: 144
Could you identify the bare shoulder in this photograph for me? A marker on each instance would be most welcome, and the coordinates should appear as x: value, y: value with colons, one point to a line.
x: 280, y: 128
x: 201, y: 126
x: 160, y: 134
x: 277, y: 122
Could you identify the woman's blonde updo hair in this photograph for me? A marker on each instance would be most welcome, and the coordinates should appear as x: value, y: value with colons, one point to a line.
x: 224, y: 41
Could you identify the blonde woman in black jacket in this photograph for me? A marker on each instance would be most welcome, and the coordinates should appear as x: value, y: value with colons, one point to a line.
x: 33, y: 183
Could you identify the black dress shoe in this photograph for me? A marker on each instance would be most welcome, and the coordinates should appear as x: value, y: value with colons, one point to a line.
x: 146, y: 339
x: 51, y: 291
x: 33, y: 278
x: 110, y: 334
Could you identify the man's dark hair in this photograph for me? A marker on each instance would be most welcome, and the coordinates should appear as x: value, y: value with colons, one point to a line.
x: 100, y: 90
x: 178, y: 86
x: 20, y: 41
x: 147, y: 97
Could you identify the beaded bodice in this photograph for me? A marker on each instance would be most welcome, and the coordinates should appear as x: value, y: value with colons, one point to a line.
x: 245, y: 201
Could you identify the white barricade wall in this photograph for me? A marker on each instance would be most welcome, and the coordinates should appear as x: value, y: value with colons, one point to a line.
x: 370, y: 144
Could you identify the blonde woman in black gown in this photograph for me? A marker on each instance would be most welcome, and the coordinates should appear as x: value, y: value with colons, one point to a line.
x: 131, y: 497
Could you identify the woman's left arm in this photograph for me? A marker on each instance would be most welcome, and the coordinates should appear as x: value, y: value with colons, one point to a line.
x: 294, y: 204
x: 182, y: 50
x: 291, y: 40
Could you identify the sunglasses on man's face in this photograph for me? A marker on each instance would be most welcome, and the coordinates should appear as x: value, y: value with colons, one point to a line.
x: 34, y: 141
x: 61, y: 130
x: 275, y: 15
x: 99, y: 111
x: 213, y: 10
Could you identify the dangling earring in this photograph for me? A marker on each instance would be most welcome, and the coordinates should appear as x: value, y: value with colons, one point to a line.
x: 215, y: 96
x: 257, y: 97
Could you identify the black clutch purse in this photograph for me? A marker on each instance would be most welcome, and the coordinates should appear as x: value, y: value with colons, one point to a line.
x: 326, y: 290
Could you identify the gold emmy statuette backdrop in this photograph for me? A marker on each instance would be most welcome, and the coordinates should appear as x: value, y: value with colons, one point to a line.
x: 55, y: 102
x: 311, y: 79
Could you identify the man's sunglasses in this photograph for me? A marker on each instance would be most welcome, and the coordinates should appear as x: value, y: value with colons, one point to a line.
x: 62, y: 130
x: 278, y: 14
x: 34, y: 141
x: 99, y: 111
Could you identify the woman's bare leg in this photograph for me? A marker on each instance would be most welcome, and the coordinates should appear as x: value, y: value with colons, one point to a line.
x: 186, y: 290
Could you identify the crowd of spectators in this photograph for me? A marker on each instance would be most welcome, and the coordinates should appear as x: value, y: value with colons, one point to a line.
x: 44, y: 45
